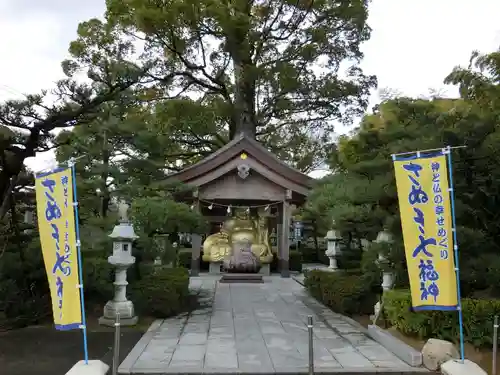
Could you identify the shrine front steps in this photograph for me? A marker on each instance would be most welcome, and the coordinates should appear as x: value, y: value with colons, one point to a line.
x: 241, y: 278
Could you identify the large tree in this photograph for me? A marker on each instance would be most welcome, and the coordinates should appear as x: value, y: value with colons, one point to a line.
x: 283, y: 71
x: 361, y: 195
x: 27, y: 125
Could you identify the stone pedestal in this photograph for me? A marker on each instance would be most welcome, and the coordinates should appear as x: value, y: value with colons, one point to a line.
x: 119, y: 304
x: 215, y: 268
x: 454, y: 367
x: 265, y: 269
x: 93, y: 367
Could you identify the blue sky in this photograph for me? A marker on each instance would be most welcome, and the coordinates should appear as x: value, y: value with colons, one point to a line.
x: 414, y: 44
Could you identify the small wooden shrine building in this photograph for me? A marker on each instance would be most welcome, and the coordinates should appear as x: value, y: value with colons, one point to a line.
x: 244, y: 173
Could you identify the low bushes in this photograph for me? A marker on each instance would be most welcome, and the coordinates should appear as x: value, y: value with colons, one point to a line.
x: 313, y: 255
x: 98, y: 277
x: 478, y: 315
x: 184, y: 257
x: 161, y: 293
x: 346, y: 292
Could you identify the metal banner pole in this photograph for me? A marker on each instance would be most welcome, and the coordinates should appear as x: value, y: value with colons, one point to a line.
x: 311, y: 348
x: 495, y: 346
x: 116, y: 347
x: 71, y: 164
x: 455, y: 249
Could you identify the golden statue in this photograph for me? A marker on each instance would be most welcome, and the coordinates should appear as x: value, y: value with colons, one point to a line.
x: 241, y: 228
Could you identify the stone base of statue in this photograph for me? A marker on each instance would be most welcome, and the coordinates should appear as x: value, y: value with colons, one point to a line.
x: 243, y: 260
x: 215, y: 268
x: 126, y: 311
x: 265, y: 269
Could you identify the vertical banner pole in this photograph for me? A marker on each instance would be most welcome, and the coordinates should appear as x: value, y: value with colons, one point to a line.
x: 80, y: 266
x: 455, y: 250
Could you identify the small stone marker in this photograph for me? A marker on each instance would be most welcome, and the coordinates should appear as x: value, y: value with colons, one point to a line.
x: 436, y: 352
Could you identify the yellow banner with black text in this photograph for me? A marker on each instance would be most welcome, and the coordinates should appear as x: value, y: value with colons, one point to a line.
x: 426, y: 220
x: 56, y: 224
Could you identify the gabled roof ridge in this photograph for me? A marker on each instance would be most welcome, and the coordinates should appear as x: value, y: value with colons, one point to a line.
x: 261, y: 146
x: 214, y: 154
x: 240, y: 144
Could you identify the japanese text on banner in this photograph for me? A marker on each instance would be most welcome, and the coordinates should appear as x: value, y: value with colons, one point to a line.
x: 56, y: 224
x: 424, y: 204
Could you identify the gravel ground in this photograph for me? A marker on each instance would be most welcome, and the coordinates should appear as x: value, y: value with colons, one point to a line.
x: 45, y: 351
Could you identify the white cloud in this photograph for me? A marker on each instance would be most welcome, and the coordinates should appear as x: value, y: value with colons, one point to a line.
x: 414, y: 44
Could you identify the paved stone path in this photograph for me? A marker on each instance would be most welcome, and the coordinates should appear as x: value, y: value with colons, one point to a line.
x: 257, y: 328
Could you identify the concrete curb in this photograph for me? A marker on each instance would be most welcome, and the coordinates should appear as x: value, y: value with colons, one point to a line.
x: 127, y: 364
x: 402, y: 350
x: 399, y: 348
x: 297, y: 279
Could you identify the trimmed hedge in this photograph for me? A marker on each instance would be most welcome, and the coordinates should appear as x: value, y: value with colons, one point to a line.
x: 98, y: 277
x: 345, y: 292
x: 312, y: 255
x: 184, y: 258
x: 478, y: 315
x: 158, y: 291
x: 162, y: 293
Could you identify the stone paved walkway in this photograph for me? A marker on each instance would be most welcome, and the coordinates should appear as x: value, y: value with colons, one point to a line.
x: 257, y: 328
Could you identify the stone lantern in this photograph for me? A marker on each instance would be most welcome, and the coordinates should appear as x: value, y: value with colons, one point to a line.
x: 123, y: 235
x: 365, y: 244
x: 333, y: 239
x: 384, y: 237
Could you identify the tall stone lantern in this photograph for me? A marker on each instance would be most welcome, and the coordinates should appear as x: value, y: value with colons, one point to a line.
x: 384, y: 237
x: 333, y: 239
x: 123, y: 235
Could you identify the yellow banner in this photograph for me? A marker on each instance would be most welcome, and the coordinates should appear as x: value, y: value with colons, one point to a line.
x: 424, y: 204
x: 56, y: 224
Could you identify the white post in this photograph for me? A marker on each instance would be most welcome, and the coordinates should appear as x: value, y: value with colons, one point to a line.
x: 28, y: 219
x: 384, y: 237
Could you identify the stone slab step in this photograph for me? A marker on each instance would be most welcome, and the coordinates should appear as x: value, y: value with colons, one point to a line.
x: 287, y: 371
x: 241, y: 278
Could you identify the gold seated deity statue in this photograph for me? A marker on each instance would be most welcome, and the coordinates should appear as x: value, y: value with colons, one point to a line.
x: 238, y: 229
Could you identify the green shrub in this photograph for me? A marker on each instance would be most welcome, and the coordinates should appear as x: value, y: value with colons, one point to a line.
x: 162, y: 293
x: 98, y: 277
x: 295, y: 261
x: 184, y: 258
x: 345, y: 292
x: 480, y: 275
x: 478, y: 315
x: 313, y: 255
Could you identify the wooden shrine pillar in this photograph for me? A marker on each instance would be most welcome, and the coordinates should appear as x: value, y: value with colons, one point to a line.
x: 285, y: 232
x: 279, y: 235
x: 196, y: 244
